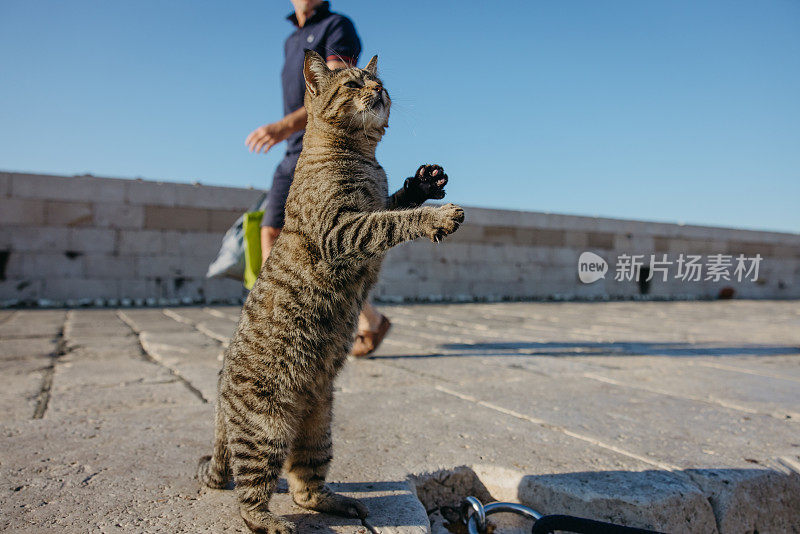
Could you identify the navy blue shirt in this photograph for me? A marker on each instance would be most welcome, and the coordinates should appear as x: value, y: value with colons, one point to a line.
x: 331, y: 35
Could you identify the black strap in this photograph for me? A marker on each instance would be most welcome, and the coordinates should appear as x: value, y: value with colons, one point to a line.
x: 549, y: 523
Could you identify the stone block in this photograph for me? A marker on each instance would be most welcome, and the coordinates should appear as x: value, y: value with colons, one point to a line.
x: 419, y: 250
x: 512, y: 254
x: 79, y: 288
x: 91, y: 240
x: 105, y: 266
x: 176, y: 218
x: 221, y: 220
x: 22, y: 289
x: 530, y: 219
x: 21, y: 212
x: 225, y: 198
x: 40, y: 265
x: 576, y: 239
x: 701, y: 246
x: 118, y: 215
x: 134, y: 242
x: 779, y: 251
x: 649, y: 499
x: 612, y: 226
x: 64, y: 188
x: 492, y: 217
x: 43, y: 238
x: 395, y: 289
x: 634, y: 244
x: 5, y: 184
x: 543, y: 237
x: 495, y: 289
x: 467, y: 233
x: 451, y: 251
x: 501, y: 234
x: 199, y: 244
x: 180, y: 287
x: 140, y: 192
x: 58, y: 213
x: 740, y: 496
x: 661, y: 244
x: 601, y: 240
x: 393, y: 270
x: 222, y: 289
x: 564, y: 257
x: 137, y: 289
x: 162, y: 266
x: 486, y: 253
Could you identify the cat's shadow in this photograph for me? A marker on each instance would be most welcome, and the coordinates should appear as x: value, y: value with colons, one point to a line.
x: 311, y: 521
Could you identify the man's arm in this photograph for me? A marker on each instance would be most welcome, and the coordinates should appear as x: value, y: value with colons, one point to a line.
x: 267, y: 136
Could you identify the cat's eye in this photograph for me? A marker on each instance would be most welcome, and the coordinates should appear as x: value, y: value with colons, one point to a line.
x: 353, y: 84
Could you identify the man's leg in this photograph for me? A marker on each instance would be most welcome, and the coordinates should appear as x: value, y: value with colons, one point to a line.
x: 272, y: 222
x: 369, y: 319
x: 268, y: 236
x: 372, y: 328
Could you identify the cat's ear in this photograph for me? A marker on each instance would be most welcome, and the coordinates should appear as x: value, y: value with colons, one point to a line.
x: 315, y: 71
x: 372, y: 66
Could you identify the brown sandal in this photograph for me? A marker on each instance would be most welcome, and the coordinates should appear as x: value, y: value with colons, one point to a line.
x: 367, y: 341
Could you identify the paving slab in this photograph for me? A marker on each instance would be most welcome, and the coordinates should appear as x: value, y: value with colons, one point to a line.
x: 28, y: 324
x: 677, y: 416
x: 27, y: 349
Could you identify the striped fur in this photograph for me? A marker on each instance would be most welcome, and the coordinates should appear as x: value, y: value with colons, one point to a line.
x: 275, y: 391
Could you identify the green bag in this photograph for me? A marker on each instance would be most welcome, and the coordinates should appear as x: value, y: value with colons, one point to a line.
x: 252, y: 246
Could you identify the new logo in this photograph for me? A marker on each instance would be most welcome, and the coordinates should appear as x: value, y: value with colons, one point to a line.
x: 591, y: 267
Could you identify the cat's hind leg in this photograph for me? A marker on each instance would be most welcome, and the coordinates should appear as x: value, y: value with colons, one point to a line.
x: 214, y: 471
x: 309, y: 460
x: 259, y: 433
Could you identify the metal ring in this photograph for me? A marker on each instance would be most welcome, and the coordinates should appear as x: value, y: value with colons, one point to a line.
x: 493, y: 508
x: 473, y: 514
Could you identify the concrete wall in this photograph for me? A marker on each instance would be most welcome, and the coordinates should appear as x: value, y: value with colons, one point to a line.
x: 513, y: 254
x: 71, y: 238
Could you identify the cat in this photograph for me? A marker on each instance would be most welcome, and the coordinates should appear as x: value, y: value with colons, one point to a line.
x: 275, y: 390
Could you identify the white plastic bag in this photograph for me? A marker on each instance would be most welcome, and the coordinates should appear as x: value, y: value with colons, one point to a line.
x: 230, y: 259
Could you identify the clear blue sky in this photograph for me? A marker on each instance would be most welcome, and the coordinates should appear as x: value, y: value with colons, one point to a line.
x: 673, y: 110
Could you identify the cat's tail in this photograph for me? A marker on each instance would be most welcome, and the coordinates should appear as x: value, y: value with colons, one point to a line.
x: 211, y: 474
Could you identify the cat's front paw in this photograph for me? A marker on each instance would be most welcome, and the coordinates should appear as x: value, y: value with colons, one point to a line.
x: 444, y: 221
x: 427, y: 183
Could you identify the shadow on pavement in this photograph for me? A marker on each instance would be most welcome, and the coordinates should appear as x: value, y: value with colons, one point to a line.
x: 527, y: 348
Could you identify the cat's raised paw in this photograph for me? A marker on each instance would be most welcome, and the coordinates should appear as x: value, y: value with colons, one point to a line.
x: 427, y: 183
x: 446, y: 220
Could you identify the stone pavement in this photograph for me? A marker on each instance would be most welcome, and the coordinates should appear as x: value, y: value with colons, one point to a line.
x: 680, y: 416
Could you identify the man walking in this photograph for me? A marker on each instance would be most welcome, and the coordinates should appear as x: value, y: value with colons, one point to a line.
x: 334, y: 37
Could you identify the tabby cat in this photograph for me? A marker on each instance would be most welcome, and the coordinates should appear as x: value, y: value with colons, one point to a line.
x: 275, y: 390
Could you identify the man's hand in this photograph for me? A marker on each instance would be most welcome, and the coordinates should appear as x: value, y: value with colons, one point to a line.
x: 264, y: 138
x: 269, y: 135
